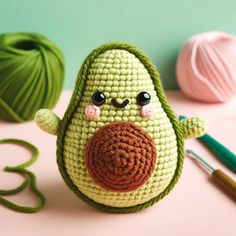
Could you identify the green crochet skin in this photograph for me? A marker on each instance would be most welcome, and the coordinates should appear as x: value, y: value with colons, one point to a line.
x: 119, y: 145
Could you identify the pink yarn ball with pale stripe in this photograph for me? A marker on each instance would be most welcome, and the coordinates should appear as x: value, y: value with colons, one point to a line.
x: 206, y: 67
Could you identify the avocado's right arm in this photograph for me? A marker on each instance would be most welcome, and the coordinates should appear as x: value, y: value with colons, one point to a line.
x: 193, y: 127
x: 47, y: 121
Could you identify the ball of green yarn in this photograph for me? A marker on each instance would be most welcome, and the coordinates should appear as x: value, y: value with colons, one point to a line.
x: 31, y: 75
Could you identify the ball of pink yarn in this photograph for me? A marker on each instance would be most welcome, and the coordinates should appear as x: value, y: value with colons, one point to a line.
x: 206, y: 67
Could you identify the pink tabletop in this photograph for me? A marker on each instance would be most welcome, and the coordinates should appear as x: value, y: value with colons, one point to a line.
x: 194, y: 207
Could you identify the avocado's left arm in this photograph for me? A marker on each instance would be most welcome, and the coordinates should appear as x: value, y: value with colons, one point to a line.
x: 47, y: 121
x: 193, y: 127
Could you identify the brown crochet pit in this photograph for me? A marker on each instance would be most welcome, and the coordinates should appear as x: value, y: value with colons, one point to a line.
x: 120, y: 157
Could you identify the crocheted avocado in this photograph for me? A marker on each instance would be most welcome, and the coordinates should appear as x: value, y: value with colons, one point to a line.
x: 120, y: 147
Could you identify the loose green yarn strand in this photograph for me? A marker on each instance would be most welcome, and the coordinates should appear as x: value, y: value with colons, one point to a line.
x: 30, y: 179
x: 31, y: 75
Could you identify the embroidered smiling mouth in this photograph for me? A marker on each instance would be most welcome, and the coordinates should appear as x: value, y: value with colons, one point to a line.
x: 115, y: 103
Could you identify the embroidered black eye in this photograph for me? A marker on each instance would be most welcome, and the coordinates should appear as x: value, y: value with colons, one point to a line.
x: 98, y: 98
x: 143, y: 98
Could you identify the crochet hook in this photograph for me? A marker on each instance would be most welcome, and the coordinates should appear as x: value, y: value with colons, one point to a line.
x: 227, y: 183
x: 220, y: 151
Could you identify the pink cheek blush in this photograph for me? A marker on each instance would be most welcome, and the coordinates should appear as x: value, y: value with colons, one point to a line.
x: 92, y: 111
x: 147, y: 111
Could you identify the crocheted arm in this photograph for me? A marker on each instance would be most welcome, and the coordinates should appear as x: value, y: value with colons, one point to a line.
x: 193, y: 127
x: 47, y: 121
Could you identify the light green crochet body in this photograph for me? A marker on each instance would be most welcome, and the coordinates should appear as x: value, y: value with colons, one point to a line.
x: 119, y: 74
x: 120, y: 71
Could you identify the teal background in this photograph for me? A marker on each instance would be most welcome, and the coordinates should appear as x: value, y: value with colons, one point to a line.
x: 158, y: 27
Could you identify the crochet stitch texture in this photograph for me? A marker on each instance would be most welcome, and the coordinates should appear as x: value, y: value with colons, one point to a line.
x: 126, y: 154
x: 120, y: 157
x: 120, y: 71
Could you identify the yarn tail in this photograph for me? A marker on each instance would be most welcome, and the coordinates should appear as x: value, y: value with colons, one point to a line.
x: 30, y: 180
